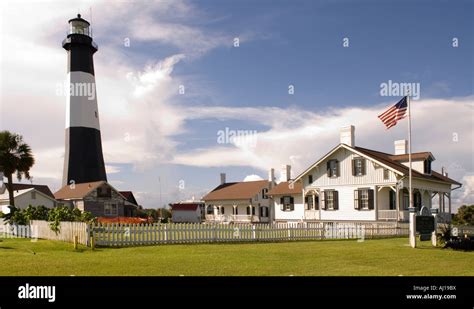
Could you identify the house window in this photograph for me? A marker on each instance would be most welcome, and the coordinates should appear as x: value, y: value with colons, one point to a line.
x: 210, y: 209
x: 264, y: 193
x: 222, y: 210
x: 331, y: 200
x: 263, y: 211
x: 287, y: 203
x: 104, y: 192
x: 392, y: 200
x: 110, y: 209
x: 358, y: 167
x: 427, y: 166
x: 235, y: 210
x: 364, y: 199
x: 33, y: 195
x: 386, y: 174
x: 310, y: 179
x: 332, y: 168
x: 309, y: 202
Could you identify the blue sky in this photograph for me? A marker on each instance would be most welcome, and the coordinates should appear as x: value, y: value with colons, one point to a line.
x: 282, y: 43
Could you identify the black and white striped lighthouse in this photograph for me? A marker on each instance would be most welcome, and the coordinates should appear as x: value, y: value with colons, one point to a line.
x: 83, y: 158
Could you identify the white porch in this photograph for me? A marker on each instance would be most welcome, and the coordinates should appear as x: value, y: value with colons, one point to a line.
x: 393, y: 202
x: 236, y: 213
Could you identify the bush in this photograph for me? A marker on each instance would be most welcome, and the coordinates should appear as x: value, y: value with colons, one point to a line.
x: 16, y: 216
x: 64, y: 213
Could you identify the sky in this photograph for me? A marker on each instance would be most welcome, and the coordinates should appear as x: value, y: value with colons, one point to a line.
x: 173, y: 76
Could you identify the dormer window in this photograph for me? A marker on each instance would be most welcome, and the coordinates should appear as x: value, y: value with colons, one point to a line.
x: 264, y: 193
x: 332, y: 168
x: 427, y: 166
x: 358, y: 167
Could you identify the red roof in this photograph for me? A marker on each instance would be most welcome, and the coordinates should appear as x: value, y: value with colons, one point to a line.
x: 184, y: 207
x: 128, y: 195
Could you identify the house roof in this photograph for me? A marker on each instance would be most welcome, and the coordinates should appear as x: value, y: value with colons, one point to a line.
x: 236, y: 190
x: 184, y: 207
x: 387, y: 160
x: 417, y: 156
x: 41, y: 188
x: 16, y: 193
x: 128, y: 195
x: 77, y: 191
x: 284, y: 188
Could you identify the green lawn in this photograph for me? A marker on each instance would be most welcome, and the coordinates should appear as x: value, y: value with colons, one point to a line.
x: 392, y: 257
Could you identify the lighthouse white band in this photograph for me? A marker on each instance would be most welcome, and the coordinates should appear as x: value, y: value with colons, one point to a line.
x: 81, y: 102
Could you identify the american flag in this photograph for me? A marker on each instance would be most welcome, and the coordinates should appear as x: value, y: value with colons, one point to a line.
x: 395, y: 113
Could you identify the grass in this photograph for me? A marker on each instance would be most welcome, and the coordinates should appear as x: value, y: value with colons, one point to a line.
x: 382, y: 257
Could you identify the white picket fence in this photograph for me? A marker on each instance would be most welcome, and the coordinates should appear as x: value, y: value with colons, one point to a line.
x: 150, y: 234
x: 14, y: 231
x: 68, y: 230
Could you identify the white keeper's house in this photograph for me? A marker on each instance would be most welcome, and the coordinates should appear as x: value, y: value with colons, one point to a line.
x: 349, y: 183
x: 359, y: 184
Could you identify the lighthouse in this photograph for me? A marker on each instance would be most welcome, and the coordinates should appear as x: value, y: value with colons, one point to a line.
x: 83, y: 158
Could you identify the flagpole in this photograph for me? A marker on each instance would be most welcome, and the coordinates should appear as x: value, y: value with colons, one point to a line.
x: 410, y: 192
x: 412, y: 212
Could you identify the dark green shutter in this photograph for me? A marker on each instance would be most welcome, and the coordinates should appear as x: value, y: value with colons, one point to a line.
x: 316, y: 202
x: 248, y: 210
x: 336, y: 200
x: 356, y: 199
x: 371, y: 199
x: 363, y: 166
x: 292, y: 203
x: 353, y: 167
x: 328, y: 168
x: 323, y: 201
x: 337, y: 169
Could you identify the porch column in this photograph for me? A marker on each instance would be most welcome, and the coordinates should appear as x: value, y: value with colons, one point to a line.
x: 439, y: 202
x: 449, y: 204
x: 397, y: 202
x: 314, y: 201
x: 376, y: 207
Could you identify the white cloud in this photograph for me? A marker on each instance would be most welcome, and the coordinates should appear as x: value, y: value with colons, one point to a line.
x: 112, y: 169
x: 252, y: 177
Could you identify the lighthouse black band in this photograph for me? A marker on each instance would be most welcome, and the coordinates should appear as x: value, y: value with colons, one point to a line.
x: 80, y: 51
x: 83, y: 160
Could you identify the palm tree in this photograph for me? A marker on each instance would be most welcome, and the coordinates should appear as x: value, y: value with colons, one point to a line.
x: 15, y: 157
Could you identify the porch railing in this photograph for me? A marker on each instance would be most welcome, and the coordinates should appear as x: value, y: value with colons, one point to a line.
x: 311, y: 214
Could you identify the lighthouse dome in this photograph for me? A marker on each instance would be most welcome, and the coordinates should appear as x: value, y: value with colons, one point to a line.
x: 79, y: 25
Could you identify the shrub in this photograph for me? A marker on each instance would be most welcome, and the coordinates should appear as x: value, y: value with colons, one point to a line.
x: 64, y: 213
